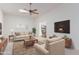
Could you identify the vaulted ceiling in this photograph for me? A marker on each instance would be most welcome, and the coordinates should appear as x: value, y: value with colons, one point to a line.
x: 12, y: 8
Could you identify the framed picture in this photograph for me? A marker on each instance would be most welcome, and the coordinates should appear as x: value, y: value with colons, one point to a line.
x: 43, y: 30
x: 62, y: 26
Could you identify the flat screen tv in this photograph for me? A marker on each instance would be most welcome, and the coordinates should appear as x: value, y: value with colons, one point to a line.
x: 62, y: 26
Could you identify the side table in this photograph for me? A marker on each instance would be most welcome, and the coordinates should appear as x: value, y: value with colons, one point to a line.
x: 68, y: 43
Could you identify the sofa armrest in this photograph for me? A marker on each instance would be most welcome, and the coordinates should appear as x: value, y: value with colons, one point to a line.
x: 40, y: 49
x: 57, y: 47
x: 55, y: 42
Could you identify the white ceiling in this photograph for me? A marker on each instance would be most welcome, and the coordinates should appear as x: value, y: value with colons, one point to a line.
x: 12, y: 8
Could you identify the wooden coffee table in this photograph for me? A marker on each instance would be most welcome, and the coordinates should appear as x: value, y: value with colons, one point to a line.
x: 28, y: 43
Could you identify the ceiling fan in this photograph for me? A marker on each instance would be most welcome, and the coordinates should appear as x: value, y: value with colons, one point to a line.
x: 30, y: 11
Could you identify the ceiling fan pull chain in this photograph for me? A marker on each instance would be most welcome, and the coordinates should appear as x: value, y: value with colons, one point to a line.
x: 30, y: 5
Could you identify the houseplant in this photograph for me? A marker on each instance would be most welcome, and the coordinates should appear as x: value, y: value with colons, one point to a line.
x: 68, y: 41
x: 34, y: 31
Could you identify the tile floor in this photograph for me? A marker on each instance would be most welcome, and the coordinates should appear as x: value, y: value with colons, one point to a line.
x: 8, y: 49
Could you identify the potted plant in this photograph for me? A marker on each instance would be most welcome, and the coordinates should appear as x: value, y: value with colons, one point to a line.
x: 34, y: 31
x: 68, y: 41
x: 65, y: 37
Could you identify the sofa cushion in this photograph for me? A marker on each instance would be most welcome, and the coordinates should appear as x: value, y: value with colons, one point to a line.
x: 48, y: 41
x: 41, y: 40
x: 17, y: 33
x: 54, y: 39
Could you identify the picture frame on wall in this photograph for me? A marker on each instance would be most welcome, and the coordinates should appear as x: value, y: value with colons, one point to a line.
x: 43, y: 30
x: 62, y: 27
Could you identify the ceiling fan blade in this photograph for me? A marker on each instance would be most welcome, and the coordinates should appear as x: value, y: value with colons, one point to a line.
x: 23, y: 10
x: 30, y: 11
x: 30, y: 4
x: 34, y: 12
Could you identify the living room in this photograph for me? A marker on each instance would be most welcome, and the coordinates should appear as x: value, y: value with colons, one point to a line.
x: 49, y: 13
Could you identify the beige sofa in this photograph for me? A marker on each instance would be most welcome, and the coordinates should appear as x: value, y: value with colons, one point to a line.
x: 54, y: 46
x: 20, y: 36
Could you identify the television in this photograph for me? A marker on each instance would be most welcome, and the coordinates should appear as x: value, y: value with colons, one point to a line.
x: 62, y: 26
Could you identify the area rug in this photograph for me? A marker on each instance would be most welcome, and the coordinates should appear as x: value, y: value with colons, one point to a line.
x: 20, y: 49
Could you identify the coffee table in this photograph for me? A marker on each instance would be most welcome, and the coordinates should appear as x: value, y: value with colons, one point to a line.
x: 28, y: 43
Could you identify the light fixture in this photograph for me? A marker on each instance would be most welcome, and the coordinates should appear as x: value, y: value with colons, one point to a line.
x: 23, y: 11
x: 29, y: 11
